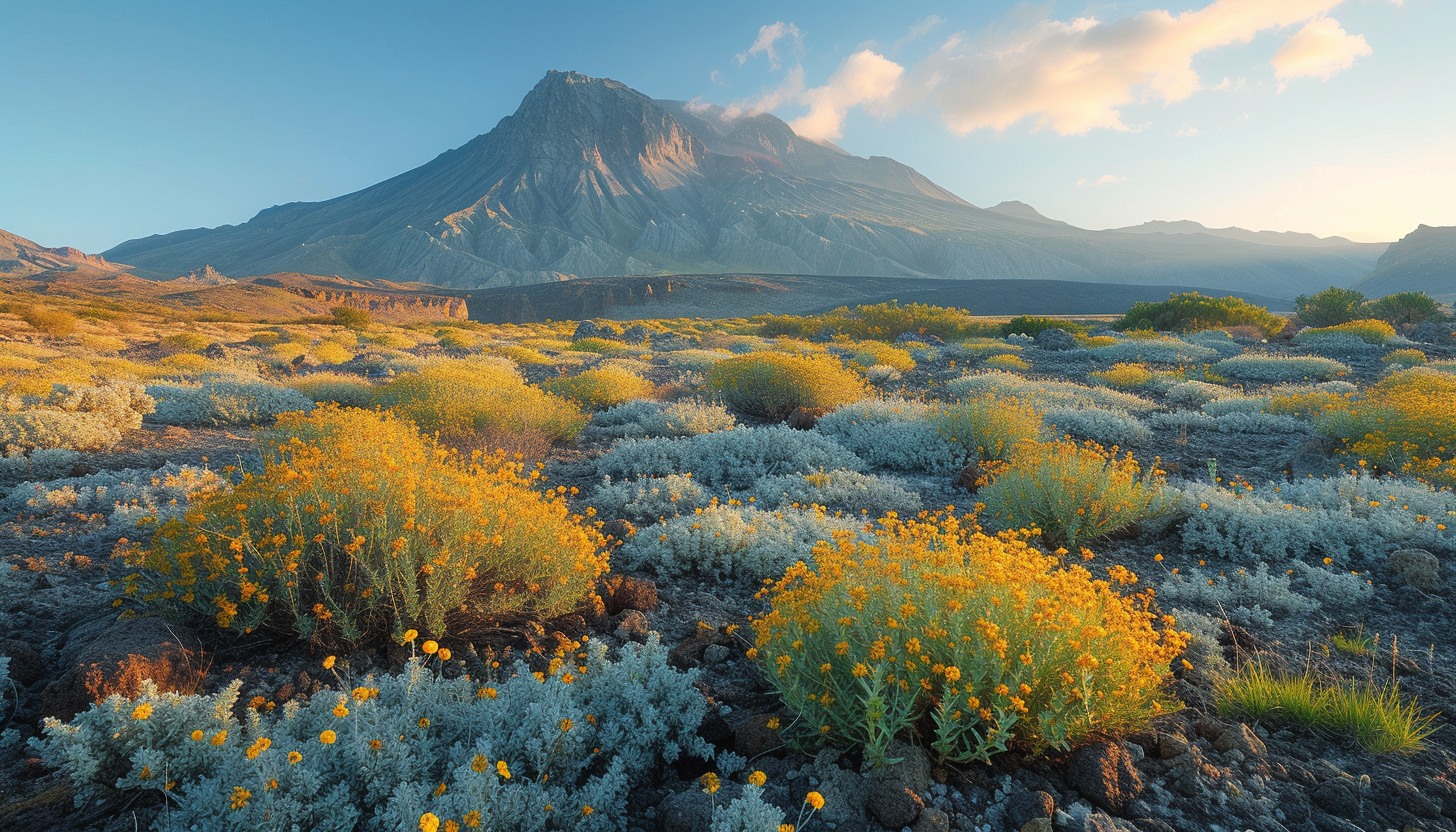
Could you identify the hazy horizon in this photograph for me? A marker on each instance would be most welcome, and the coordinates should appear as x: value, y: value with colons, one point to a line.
x: 1315, y: 116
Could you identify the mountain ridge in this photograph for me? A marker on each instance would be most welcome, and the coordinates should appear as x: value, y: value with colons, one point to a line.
x: 1421, y: 261
x: 592, y: 178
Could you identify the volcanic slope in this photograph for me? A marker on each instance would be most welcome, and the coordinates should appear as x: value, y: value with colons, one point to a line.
x: 590, y: 178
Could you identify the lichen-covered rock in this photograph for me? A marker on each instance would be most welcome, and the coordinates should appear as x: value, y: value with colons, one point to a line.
x: 116, y: 656
x: 892, y: 803
x: 1104, y: 774
x: 1055, y: 339
x: 1416, y: 568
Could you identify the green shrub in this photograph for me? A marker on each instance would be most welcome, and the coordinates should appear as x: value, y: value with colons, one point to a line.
x: 600, y: 388
x: 482, y: 405
x: 982, y: 640
x: 879, y: 322
x: 335, y: 388
x: 357, y: 528
x: 185, y: 342
x: 1034, y: 325
x: 1331, y: 307
x: 56, y: 323
x: 1192, y: 312
x: 1375, y: 717
x: 1405, y: 308
x: 1006, y: 361
x: 456, y: 339
x: 772, y: 385
x: 266, y: 338
x: 351, y: 318
x: 1073, y: 493
x: 987, y: 428
x: 599, y: 346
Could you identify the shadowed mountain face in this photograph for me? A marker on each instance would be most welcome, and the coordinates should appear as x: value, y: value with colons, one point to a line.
x: 1422, y: 261
x: 590, y: 178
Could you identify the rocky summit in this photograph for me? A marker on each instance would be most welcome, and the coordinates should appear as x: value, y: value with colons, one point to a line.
x: 592, y: 178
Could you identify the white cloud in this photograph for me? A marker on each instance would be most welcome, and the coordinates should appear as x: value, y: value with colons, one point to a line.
x: 1075, y: 76
x: 767, y: 37
x: 865, y: 77
x: 717, y: 78
x: 1319, y: 50
x: 1186, y: 132
x: 1104, y: 179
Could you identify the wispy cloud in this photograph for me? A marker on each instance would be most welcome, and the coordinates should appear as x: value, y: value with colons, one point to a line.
x: 922, y: 27
x: 1104, y: 179
x: 770, y: 35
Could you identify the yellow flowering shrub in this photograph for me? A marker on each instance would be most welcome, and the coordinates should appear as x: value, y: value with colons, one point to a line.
x: 1006, y: 361
x: 994, y: 640
x: 522, y: 355
x: 1072, y: 493
x: 1369, y: 330
x: 869, y: 353
x: 1125, y: 376
x: 481, y: 405
x: 1405, y: 358
x: 1405, y: 424
x: 600, y: 388
x: 359, y: 527
x: 331, y: 352
x: 773, y: 384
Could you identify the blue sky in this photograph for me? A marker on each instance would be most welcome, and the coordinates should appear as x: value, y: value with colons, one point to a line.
x: 123, y: 120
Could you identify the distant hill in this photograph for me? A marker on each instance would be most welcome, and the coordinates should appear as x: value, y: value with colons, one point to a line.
x: 67, y: 272
x: 726, y: 296
x: 591, y: 178
x: 20, y: 257
x: 1422, y: 261
x: 1268, y: 238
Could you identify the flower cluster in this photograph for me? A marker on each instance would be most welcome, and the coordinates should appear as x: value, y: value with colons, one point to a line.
x: 359, y: 526
x: 995, y: 640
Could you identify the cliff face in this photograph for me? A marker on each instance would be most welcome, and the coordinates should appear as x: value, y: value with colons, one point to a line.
x: 590, y: 177
x: 1421, y: 261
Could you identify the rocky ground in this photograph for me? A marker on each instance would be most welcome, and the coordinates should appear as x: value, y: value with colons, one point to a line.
x: 1191, y: 770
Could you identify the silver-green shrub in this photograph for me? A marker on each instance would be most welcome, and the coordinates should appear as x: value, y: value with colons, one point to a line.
x: 1046, y: 393
x: 644, y: 418
x: 726, y: 542
x: 898, y: 434
x: 649, y: 499
x: 218, y: 401
x: 40, y: 464
x: 1196, y: 393
x: 735, y: 458
x: 1157, y: 351
x: 1342, y: 517
x: 76, y: 418
x: 1277, y: 369
x: 122, y: 498
x: 748, y: 813
x: 845, y: 491
x: 1247, y: 598
x: 1104, y: 426
x: 398, y: 748
x: 9, y: 701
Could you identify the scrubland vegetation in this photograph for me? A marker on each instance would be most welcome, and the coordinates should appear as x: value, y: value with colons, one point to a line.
x: 456, y: 576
